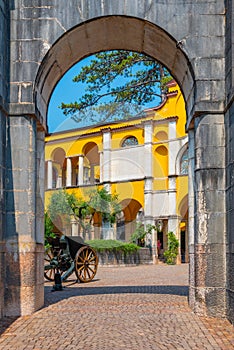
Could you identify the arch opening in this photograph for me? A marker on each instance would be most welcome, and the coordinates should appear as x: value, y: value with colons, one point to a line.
x: 99, y: 35
x: 156, y: 43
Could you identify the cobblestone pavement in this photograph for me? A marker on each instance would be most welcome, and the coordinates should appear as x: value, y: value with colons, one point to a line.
x: 131, y: 308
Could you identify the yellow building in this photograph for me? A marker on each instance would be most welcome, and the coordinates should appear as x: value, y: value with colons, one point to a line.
x: 143, y: 159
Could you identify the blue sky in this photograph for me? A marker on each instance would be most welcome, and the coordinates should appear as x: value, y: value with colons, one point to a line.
x: 68, y: 91
x: 65, y: 91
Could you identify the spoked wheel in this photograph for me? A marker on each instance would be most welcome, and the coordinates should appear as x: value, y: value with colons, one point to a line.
x: 86, y: 262
x: 49, y: 270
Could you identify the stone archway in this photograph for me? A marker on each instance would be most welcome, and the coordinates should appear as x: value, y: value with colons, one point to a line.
x: 42, y: 50
x: 140, y: 35
x: 100, y: 35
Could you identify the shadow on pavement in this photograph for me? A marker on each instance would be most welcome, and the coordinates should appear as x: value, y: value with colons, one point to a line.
x: 5, y: 322
x: 70, y: 290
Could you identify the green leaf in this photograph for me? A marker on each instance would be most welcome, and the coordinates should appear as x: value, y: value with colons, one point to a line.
x: 117, y: 77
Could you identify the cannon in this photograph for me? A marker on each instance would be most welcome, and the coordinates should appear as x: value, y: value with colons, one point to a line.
x: 69, y: 254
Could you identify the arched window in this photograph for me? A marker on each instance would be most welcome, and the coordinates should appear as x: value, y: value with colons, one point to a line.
x: 184, y: 163
x: 130, y: 141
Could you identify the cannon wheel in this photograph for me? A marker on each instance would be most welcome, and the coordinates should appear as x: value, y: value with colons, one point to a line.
x: 86, y: 262
x: 49, y: 274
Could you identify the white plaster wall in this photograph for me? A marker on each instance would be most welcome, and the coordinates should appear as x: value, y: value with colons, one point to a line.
x: 174, y: 148
x: 160, y: 204
x: 127, y: 163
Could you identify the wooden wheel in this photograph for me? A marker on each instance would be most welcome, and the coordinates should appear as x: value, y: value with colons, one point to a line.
x: 49, y: 271
x: 86, y: 262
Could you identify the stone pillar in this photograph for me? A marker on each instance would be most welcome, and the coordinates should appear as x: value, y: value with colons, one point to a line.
x: 69, y: 173
x: 39, y: 222
x: 172, y: 195
x: 101, y: 167
x: 59, y: 181
x: 106, y: 155
x: 24, y: 289
x: 229, y: 123
x: 4, y: 99
x: 92, y: 180
x: 209, y: 283
x: 172, y: 153
x: 74, y: 227
x: 148, y: 168
x: 49, y: 174
x: 40, y: 187
x: 173, y: 219
x: 229, y: 120
x: 2, y: 209
x: 81, y: 170
x: 173, y: 147
x: 191, y: 218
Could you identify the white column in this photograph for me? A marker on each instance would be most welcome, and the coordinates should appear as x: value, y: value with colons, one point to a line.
x: 74, y: 227
x: 59, y: 181
x: 148, y: 169
x: 49, y: 174
x: 172, y: 147
x: 172, y: 195
x: 81, y: 170
x: 106, y: 156
x: 173, y: 220
x: 148, y: 132
x: 92, y: 180
x: 69, y: 173
x: 101, y: 167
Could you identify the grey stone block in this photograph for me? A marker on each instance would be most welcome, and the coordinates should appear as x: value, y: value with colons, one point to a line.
x: 230, y: 306
x: 215, y: 301
x: 10, y: 231
x: 26, y: 92
x: 210, y: 180
x: 24, y: 71
x: 25, y: 224
x: 230, y: 225
x: 210, y: 131
x: 18, y: 180
x: 210, y: 157
x: 230, y: 269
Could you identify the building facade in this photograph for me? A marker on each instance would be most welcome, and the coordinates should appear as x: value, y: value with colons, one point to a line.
x: 143, y: 159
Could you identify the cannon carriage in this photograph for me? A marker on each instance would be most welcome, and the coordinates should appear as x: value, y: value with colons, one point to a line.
x: 69, y: 254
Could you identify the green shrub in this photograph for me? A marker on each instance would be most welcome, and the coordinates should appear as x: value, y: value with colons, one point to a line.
x: 172, y: 251
x: 140, y: 233
x: 48, y: 230
x: 110, y: 245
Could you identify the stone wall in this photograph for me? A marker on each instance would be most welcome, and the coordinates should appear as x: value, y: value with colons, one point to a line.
x: 4, y: 80
x: 230, y: 211
x: 229, y: 123
x: 209, y: 246
x: 142, y: 256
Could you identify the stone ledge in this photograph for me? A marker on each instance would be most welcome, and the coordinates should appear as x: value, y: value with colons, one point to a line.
x: 143, y: 256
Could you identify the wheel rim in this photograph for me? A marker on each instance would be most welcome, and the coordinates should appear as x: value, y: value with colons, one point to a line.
x: 48, y: 274
x: 86, y: 262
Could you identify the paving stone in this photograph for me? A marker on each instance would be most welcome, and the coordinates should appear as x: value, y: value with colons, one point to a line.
x: 131, y: 308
